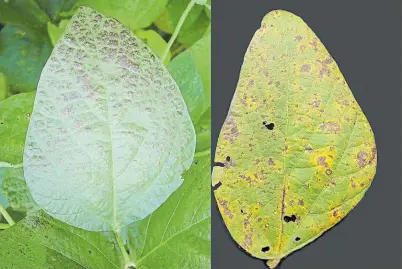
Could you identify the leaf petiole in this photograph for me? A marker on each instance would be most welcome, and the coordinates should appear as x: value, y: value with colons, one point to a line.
x: 177, y: 29
x: 4, y: 226
x: 9, y: 165
x: 128, y: 263
x: 7, y: 216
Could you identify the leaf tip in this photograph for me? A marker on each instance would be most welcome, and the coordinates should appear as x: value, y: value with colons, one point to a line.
x: 273, y: 263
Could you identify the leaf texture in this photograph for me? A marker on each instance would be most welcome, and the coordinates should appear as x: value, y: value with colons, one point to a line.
x: 296, y: 153
x: 176, y: 235
x: 110, y: 134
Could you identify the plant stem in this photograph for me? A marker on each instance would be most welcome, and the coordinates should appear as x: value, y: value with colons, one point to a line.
x: 177, y: 29
x: 4, y: 226
x: 5, y: 214
x: 126, y: 257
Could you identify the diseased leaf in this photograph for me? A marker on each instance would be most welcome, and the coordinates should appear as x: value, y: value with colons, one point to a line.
x: 295, y: 153
x: 133, y: 14
x: 15, y: 190
x: 109, y: 121
x: 156, y: 43
x: 15, y: 113
x: 183, y: 69
x: 22, y: 57
x: 176, y: 235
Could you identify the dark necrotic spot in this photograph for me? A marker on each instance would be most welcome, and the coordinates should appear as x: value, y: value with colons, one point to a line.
x: 269, y: 126
x: 220, y: 164
x: 89, y: 251
x: 293, y: 218
x: 265, y: 249
x: 216, y: 186
x: 242, y: 211
x: 228, y: 158
x: 297, y: 239
x: 128, y: 251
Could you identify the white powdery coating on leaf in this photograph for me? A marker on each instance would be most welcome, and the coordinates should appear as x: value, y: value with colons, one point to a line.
x: 110, y: 134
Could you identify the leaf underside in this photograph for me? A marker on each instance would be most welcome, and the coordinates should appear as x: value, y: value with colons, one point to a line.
x: 110, y: 134
x: 295, y: 153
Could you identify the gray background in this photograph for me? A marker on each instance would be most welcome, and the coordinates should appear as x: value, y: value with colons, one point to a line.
x: 364, y: 37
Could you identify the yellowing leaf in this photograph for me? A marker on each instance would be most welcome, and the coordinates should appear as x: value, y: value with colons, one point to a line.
x: 295, y: 153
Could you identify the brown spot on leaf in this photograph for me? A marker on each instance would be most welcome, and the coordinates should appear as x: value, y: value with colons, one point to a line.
x: 298, y: 38
x: 277, y: 83
x: 248, y: 241
x: 308, y: 148
x: 233, y: 132
x: 373, y: 156
x: 316, y: 103
x: 271, y: 162
x: 322, y: 161
x: 305, y: 68
x: 332, y: 127
x: 224, y: 206
x: 301, y: 202
x: 362, y: 159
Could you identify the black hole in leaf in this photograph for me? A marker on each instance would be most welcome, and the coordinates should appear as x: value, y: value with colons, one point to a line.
x: 196, y: 161
x: 242, y: 211
x: 269, y: 126
x: 220, y: 164
x: 293, y: 218
x: 228, y: 158
x: 128, y: 251
x: 216, y: 186
x: 89, y: 251
x: 265, y: 249
x: 297, y: 239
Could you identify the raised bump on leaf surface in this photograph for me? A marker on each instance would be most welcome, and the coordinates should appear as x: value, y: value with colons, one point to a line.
x: 287, y: 185
x: 110, y: 134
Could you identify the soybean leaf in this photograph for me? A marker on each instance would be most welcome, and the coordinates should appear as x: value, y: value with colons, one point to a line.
x: 22, y: 57
x: 192, y: 28
x: 3, y: 87
x: 25, y: 13
x: 178, y: 231
x: 54, y: 7
x: 295, y: 153
x: 55, y: 31
x: 156, y: 43
x: 177, y: 235
x: 203, y: 131
x: 44, y: 242
x: 108, y: 120
x: 15, y: 113
x: 201, y: 52
x: 133, y: 14
x: 183, y: 69
x: 15, y: 190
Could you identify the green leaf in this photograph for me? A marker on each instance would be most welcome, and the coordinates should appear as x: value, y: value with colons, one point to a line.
x: 201, y: 52
x: 15, y: 190
x: 194, y: 25
x: 3, y: 87
x: 109, y: 120
x: 183, y: 70
x: 24, y: 13
x: 156, y: 43
x: 22, y: 57
x: 15, y: 113
x: 55, y: 31
x: 203, y: 131
x: 296, y: 153
x: 44, y: 242
x: 176, y: 235
x: 3, y: 199
x: 133, y: 14
x: 54, y: 7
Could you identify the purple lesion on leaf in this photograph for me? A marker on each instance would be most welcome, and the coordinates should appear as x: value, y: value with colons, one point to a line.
x: 322, y: 161
x: 362, y: 157
x: 271, y: 162
x: 373, y: 156
x: 332, y: 127
x: 305, y: 68
x: 231, y: 132
x: 298, y: 38
x: 324, y: 68
x: 224, y: 205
